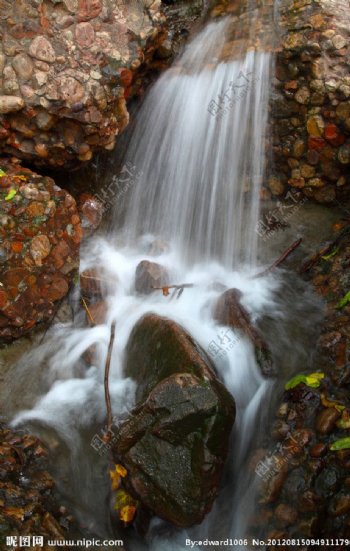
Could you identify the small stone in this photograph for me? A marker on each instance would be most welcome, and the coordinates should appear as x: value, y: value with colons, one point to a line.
x: 302, y: 96
x: 315, y: 126
x: 294, y: 41
x: 64, y: 21
x: 339, y: 41
x: 71, y: 5
x: 307, y: 171
x: 344, y: 154
x: 44, y: 120
x: 325, y: 421
x: 40, y: 248
x: 89, y: 9
x: 298, y: 148
x: 297, y: 182
x: 23, y: 66
x: 10, y: 104
x: 70, y: 89
x: 42, y: 49
x: 276, y: 185
x: 318, y: 450
x: 331, y: 85
x: 85, y: 35
x: 39, y: 79
x: 315, y: 182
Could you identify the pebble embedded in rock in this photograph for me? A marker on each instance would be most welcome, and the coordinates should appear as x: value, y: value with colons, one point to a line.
x: 326, y: 420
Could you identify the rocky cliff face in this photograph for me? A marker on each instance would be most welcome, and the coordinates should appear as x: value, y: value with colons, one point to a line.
x: 311, y: 104
x: 66, y: 69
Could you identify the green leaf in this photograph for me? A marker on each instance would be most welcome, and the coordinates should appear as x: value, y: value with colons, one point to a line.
x: 342, y: 444
x: 313, y: 380
x: 344, y: 301
x: 2, y: 173
x: 330, y: 255
x: 10, y: 195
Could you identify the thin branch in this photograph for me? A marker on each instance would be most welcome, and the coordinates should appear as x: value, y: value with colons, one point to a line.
x: 106, y: 382
x: 178, y: 289
x: 280, y: 259
x: 88, y: 313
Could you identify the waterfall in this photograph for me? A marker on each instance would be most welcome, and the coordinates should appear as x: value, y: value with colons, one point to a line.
x: 199, y: 148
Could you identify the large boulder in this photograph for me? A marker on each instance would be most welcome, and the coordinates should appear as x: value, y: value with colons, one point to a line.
x: 66, y: 69
x: 40, y: 234
x: 174, y: 444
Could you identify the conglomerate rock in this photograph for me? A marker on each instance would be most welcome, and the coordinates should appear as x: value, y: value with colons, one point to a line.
x: 40, y: 233
x: 309, y: 126
x: 66, y: 69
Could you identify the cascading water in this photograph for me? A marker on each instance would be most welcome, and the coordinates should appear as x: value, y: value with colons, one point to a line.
x: 199, y: 144
x: 199, y: 147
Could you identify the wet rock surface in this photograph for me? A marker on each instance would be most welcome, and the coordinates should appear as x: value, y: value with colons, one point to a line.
x: 175, y: 442
x: 66, y: 70
x: 28, y: 503
x: 40, y: 234
x: 150, y: 275
x: 229, y: 311
x: 310, y: 105
x: 304, y: 482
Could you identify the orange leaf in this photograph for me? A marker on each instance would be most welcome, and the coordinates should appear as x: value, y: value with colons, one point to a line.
x: 165, y: 291
x: 121, y: 470
x: 115, y: 478
x: 127, y: 513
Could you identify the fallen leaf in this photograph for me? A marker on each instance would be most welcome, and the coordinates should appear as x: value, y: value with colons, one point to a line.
x: 121, y: 470
x: 344, y: 421
x: 127, y: 513
x: 166, y: 291
x: 115, y: 478
x: 331, y: 403
x: 330, y: 255
x: 313, y: 380
x: 2, y: 173
x: 344, y: 301
x: 10, y: 195
x: 122, y: 499
x: 342, y: 444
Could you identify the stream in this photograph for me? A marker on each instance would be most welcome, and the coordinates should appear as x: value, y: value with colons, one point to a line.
x: 185, y: 208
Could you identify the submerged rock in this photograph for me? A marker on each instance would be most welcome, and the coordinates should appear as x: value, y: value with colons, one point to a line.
x: 40, y: 233
x: 229, y: 311
x: 174, y: 444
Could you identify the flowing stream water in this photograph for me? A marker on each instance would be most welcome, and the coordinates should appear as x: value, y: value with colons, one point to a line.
x: 199, y: 160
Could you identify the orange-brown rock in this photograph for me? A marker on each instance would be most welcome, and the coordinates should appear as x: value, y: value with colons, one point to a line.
x: 40, y: 233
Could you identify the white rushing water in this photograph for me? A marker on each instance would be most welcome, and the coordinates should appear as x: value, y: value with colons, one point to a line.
x: 198, y: 147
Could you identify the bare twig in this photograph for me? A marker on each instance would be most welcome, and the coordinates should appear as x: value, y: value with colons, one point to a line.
x: 88, y: 313
x: 280, y: 259
x: 106, y: 382
x: 178, y: 289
